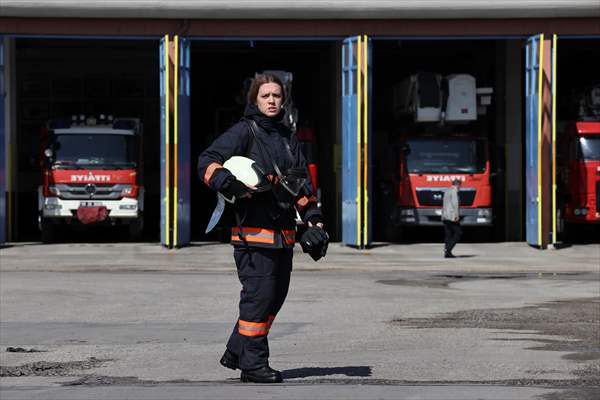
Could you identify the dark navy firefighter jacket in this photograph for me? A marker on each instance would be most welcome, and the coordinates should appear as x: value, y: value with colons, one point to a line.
x: 262, y: 222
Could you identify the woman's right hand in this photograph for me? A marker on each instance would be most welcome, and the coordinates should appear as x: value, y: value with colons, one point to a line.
x: 238, y: 189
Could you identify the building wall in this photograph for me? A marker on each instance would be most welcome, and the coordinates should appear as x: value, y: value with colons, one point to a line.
x: 295, y: 27
x: 301, y: 9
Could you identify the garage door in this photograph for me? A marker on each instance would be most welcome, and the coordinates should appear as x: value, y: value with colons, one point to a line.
x: 175, y: 141
x: 356, y: 88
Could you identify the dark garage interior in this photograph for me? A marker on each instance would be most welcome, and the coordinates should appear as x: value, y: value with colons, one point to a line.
x: 62, y: 77
x: 219, y: 69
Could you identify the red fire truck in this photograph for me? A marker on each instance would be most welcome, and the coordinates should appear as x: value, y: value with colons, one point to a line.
x: 579, y: 164
x: 438, y: 146
x: 91, y: 174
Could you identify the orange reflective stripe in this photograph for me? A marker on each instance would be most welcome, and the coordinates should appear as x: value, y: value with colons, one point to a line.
x: 253, y: 324
x: 256, y: 230
x: 252, y: 239
x: 304, y: 201
x: 289, y: 236
x: 210, y: 170
x: 253, y: 328
x: 255, y: 235
x: 252, y: 333
x: 262, y: 235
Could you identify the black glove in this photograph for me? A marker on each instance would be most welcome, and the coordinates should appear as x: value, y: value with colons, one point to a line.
x: 315, y: 219
x: 235, y: 188
x: 314, y: 242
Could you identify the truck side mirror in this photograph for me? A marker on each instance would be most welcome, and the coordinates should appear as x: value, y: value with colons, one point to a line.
x: 48, y: 156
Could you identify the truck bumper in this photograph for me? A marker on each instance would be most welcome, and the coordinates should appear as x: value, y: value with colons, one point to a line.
x: 590, y: 218
x: 433, y: 216
x: 54, y: 207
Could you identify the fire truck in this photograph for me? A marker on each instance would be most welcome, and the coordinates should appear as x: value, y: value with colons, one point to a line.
x: 579, y: 163
x: 440, y: 142
x: 91, y: 174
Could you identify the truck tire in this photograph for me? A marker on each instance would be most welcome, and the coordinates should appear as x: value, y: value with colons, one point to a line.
x: 136, y: 229
x: 49, y: 231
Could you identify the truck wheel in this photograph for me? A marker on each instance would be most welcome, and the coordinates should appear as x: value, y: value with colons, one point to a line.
x: 48, y: 231
x: 136, y: 229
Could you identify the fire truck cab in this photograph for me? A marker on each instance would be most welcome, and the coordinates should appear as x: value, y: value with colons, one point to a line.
x: 580, y: 173
x: 428, y: 165
x: 439, y: 143
x: 578, y: 160
x: 91, y: 174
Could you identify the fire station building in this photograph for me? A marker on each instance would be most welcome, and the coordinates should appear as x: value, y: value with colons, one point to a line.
x: 373, y: 83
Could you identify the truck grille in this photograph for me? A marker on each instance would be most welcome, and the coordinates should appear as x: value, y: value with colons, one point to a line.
x: 435, y: 197
x: 85, y: 191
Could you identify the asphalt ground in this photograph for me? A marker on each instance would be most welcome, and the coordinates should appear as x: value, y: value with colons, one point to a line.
x: 111, y: 321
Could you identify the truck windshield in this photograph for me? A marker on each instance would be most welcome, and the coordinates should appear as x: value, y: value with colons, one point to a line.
x: 446, y: 156
x: 589, y: 148
x: 96, y: 151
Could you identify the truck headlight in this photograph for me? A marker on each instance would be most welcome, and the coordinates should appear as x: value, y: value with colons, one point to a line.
x: 483, y: 213
x: 128, y: 206
x: 52, y: 206
x: 53, y: 190
x: 407, y: 211
x: 126, y: 190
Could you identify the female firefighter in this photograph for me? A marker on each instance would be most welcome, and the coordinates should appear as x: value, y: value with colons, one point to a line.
x: 264, y: 227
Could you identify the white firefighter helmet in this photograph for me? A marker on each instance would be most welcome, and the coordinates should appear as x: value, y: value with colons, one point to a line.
x: 245, y: 170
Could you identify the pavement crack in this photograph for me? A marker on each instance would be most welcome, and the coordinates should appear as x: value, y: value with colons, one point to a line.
x: 51, y: 368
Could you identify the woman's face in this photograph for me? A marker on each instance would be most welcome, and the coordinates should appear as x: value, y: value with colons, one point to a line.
x: 269, y: 99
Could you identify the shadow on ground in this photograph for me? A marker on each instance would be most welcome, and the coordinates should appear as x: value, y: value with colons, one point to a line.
x: 317, y: 371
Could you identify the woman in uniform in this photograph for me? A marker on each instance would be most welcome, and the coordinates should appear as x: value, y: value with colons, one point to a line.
x: 264, y: 227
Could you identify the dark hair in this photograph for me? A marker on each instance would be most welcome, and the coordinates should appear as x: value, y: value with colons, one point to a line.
x: 456, y: 182
x: 258, y: 81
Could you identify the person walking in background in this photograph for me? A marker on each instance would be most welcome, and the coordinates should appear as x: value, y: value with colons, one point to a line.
x: 451, y: 218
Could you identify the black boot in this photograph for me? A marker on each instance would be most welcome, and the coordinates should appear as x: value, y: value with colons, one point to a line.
x: 264, y: 374
x: 448, y: 254
x: 230, y: 360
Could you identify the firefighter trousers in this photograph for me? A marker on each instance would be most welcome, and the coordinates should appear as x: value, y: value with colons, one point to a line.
x: 265, y: 278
